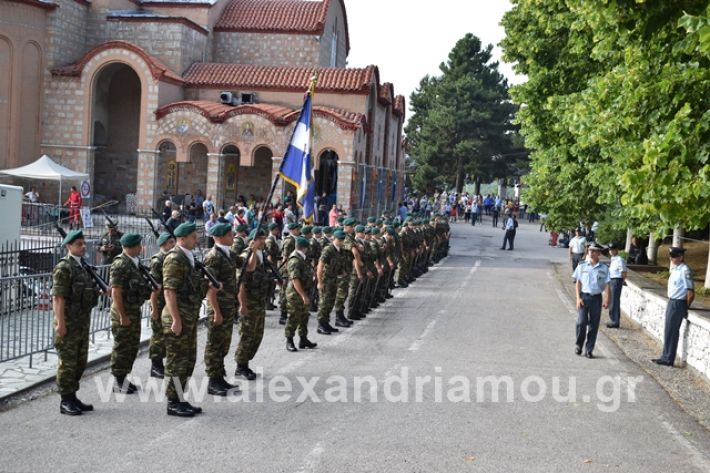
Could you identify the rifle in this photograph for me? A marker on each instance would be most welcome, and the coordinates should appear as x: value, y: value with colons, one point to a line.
x: 199, y: 265
x: 98, y: 280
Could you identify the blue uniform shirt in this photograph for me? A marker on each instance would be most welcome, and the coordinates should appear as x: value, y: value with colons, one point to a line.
x: 680, y: 282
x: 593, y: 278
x: 617, y: 266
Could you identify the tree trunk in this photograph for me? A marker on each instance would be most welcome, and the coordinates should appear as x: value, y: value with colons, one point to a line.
x: 629, y: 236
x: 478, y: 187
x: 502, y: 189
x: 652, y: 250
x: 678, y: 234
x: 459, y: 175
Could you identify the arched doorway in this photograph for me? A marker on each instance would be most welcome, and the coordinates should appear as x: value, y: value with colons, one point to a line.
x: 327, y: 178
x: 115, y: 131
x: 256, y: 179
x: 166, y: 181
x: 192, y: 175
x: 231, y: 173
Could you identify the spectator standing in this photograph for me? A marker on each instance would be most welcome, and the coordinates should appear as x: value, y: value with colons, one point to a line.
x: 576, y: 248
x: 617, y: 276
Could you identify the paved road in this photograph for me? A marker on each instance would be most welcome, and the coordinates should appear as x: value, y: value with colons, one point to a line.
x: 480, y: 313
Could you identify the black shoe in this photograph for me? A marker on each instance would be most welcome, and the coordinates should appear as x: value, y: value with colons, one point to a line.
x: 589, y: 355
x: 388, y: 296
x: 290, y: 345
x: 502, y: 248
x: 270, y: 306
x: 610, y: 325
x: 323, y: 330
x: 69, y: 407
x: 577, y: 350
x: 343, y: 323
x: 331, y: 328
x: 305, y: 343
x: 216, y: 388
x: 179, y: 409
x: 233, y: 388
x: 662, y: 362
x: 81, y: 405
x: 510, y: 249
x: 354, y: 316
x: 195, y: 409
x: 123, y: 386
x: 157, y: 369
x: 244, y: 371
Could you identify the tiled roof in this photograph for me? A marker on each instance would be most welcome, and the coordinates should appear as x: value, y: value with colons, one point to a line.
x: 385, y: 93
x: 277, y: 114
x: 158, y: 70
x: 278, y: 16
x: 38, y: 3
x: 257, y: 77
x: 399, y: 106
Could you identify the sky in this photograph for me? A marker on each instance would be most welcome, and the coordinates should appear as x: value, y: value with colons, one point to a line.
x: 408, y: 39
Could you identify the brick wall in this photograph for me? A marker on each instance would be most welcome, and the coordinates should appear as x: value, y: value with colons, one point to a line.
x: 266, y: 49
x: 66, y: 33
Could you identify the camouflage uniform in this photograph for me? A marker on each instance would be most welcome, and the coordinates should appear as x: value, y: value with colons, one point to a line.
x: 344, y: 279
x: 272, y: 250
x: 252, y: 322
x: 181, y: 350
x: 74, y: 284
x: 312, y: 257
x: 289, y: 246
x: 223, y: 264
x: 108, y: 239
x: 332, y: 260
x: 298, y: 314
x: 357, y: 287
x: 238, y: 247
x: 135, y: 290
x: 157, y: 340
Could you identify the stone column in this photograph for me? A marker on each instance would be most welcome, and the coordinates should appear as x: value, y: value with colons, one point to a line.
x: 146, y: 196
x: 345, y: 185
x: 215, y: 178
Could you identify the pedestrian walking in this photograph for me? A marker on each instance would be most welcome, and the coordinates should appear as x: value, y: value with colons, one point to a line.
x: 591, y: 280
x: 681, y: 293
x: 577, y: 247
x: 511, y: 223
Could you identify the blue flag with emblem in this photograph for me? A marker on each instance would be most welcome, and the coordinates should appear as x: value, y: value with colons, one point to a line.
x: 297, y: 166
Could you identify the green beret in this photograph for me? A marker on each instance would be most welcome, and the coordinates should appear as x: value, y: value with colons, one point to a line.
x: 257, y: 232
x: 328, y: 230
x: 349, y: 222
x: 359, y: 229
x: 272, y: 225
x: 302, y: 242
x: 371, y: 219
x: 307, y: 229
x: 396, y: 224
x: 220, y: 229
x: 339, y: 235
x: 184, y: 229
x: 71, y: 236
x: 130, y: 239
x: 165, y: 236
x: 340, y: 219
x: 242, y: 227
x: 293, y: 226
x: 391, y: 231
x: 317, y: 230
x: 378, y: 222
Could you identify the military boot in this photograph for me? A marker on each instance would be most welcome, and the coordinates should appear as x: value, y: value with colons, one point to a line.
x: 123, y: 386
x: 81, y: 405
x: 331, y: 328
x: 157, y: 369
x: 341, y: 321
x: 323, y: 329
x: 245, y: 371
x: 68, y: 406
x: 305, y: 343
x: 234, y: 388
x: 179, y: 409
x: 216, y: 388
x: 290, y: 345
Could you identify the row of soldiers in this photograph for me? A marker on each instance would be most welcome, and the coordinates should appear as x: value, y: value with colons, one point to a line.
x: 350, y: 266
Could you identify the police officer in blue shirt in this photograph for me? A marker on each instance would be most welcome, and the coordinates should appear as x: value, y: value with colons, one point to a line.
x: 591, y: 280
x: 617, y: 274
x: 681, y: 293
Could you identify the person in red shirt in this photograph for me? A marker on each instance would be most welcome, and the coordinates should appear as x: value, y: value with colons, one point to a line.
x: 74, y: 204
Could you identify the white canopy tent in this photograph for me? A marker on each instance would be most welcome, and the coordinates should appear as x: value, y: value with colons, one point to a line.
x: 46, y: 169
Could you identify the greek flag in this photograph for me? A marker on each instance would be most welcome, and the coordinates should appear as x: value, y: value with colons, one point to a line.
x: 297, y: 166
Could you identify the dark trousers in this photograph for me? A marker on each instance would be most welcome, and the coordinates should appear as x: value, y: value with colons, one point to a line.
x: 676, y: 311
x: 588, y: 318
x: 615, y: 286
x: 576, y: 258
x: 474, y: 217
x: 495, y: 219
x: 508, y: 239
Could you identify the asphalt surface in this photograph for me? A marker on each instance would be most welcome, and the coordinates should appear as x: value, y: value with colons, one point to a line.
x: 480, y: 313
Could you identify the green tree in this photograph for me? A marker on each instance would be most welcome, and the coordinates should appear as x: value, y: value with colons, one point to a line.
x: 461, y: 120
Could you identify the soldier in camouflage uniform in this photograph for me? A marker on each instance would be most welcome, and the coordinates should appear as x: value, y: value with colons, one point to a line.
x: 222, y: 262
x: 73, y: 297
x: 110, y: 243
x: 289, y: 245
x: 406, y: 257
x: 312, y: 257
x: 359, y: 277
x: 325, y: 240
x: 348, y: 266
x: 331, y: 266
x: 252, y: 296
x: 238, y: 247
x: 184, y: 289
x: 300, y: 281
x: 272, y: 252
x: 129, y: 290
x: 157, y: 303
